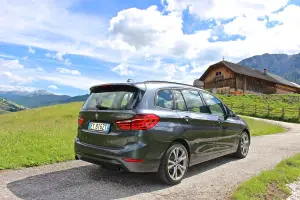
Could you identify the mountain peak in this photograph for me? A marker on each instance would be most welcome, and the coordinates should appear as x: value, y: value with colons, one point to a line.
x: 40, y: 92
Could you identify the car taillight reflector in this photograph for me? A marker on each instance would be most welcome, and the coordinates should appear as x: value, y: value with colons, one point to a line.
x: 139, y: 122
x: 133, y: 160
x: 80, y: 121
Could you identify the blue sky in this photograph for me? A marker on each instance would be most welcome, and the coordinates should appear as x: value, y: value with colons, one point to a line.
x: 67, y: 46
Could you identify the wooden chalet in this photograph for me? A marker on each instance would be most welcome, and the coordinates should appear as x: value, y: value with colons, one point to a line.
x: 227, y: 77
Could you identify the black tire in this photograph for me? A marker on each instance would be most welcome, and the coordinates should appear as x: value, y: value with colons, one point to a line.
x: 163, y: 171
x: 241, y: 153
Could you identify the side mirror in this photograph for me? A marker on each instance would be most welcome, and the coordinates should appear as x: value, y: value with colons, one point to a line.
x: 205, y: 109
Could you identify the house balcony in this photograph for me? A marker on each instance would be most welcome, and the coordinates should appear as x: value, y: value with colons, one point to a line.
x: 219, y: 83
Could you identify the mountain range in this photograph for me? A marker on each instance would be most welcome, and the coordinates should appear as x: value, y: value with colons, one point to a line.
x: 39, y: 98
x: 286, y: 66
x: 33, y: 99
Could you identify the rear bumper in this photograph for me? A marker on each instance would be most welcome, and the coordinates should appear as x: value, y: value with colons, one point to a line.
x: 113, y: 157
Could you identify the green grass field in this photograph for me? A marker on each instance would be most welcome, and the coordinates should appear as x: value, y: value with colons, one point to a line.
x: 258, y: 127
x: 270, y: 184
x: 38, y: 136
x: 45, y: 135
x: 290, y: 102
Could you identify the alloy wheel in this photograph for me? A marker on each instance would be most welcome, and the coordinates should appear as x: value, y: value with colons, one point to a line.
x: 244, y: 144
x: 177, y: 163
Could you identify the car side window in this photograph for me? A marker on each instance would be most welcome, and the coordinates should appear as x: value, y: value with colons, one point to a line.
x: 214, y: 104
x: 193, y: 100
x: 164, y: 99
x: 179, y: 101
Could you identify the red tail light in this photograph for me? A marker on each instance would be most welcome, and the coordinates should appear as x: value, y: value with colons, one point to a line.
x: 80, y: 121
x: 139, y: 122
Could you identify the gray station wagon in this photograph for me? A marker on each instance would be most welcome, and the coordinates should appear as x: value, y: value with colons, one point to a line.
x: 157, y: 126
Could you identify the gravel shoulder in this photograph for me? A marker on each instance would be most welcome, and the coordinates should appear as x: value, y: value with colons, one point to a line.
x: 295, y: 188
x: 210, y: 180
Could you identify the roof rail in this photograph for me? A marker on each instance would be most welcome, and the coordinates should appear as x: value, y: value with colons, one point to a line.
x: 153, y: 81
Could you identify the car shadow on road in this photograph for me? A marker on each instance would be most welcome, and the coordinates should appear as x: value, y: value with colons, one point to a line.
x: 93, y: 182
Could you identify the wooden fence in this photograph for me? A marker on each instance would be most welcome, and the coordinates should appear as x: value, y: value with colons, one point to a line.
x: 291, y: 114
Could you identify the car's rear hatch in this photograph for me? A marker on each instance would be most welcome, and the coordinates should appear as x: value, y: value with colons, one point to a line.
x: 99, y: 116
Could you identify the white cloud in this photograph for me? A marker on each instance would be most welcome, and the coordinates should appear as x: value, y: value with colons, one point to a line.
x: 142, y: 28
x: 282, y: 38
x: 144, y: 31
x: 31, y: 50
x: 40, y: 69
x: 10, y: 64
x: 59, y: 56
x: 8, y: 56
x: 215, y: 37
x: 15, y: 78
x: 122, y: 70
x: 25, y: 58
x: 53, y: 87
x: 17, y: 88
x: 68, y: 71
x: 220, y: 9
x: 80, y: 82
x: 67, y: 62
x: 54, y: 26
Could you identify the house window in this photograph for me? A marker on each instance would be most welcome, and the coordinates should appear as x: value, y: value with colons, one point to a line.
x: 218, y: 73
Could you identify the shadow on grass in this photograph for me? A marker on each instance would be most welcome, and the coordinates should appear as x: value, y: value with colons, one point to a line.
x: 93, y: 182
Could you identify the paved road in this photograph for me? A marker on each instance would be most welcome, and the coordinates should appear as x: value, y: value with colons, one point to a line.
x: 210, y: 180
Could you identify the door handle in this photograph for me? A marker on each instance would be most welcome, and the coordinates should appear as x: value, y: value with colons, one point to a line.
x: 187, y: 118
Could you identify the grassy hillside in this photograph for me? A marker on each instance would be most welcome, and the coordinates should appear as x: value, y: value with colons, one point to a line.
x: 38, y: 136
x: 46, y: 135
x: 291, y: 104
x: 9, y: 106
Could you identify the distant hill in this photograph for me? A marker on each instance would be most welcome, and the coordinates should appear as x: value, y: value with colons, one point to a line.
x: 74, y: 99
x: 7, y: 106
x: 39, y: 98
x: 286, y: 66
x: 33, y: 99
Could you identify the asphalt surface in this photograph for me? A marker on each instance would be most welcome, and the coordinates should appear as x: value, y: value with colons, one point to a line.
x: 210, y: 180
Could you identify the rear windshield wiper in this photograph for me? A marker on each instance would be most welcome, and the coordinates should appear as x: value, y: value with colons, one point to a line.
x: 98, y: 106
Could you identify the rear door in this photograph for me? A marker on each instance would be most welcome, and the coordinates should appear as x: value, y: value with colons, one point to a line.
x: 201, y: 128
x: 104, y: 107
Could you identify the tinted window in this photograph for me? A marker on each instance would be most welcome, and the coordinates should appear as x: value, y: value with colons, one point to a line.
x: 179, y: 101
x: 193, y: 100
x: 214, y: 104
x: 111, y: 98
x: 164, y: 99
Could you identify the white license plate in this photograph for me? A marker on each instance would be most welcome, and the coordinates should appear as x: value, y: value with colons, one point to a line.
x: 102, y: 127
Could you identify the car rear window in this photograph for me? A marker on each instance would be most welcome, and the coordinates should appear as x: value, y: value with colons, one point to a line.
x: 114, y: 97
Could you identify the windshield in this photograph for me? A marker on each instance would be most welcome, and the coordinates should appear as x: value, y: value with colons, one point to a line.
x: 112, y: 98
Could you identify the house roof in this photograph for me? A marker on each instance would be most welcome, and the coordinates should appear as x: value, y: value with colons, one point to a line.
x: 239, y: 69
